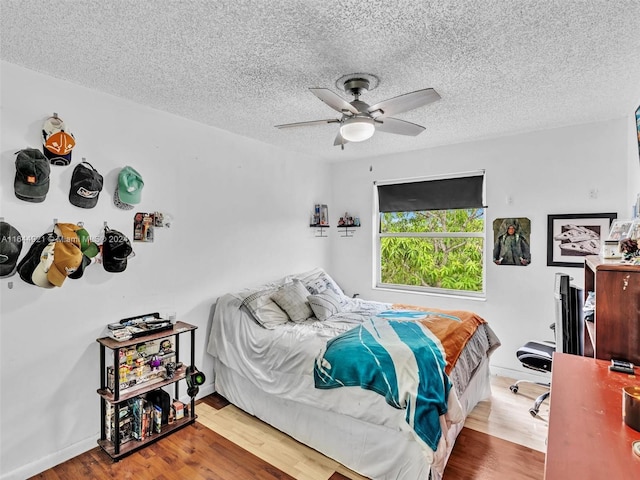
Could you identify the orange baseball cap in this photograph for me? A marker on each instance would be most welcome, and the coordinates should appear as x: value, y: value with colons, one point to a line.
x: 67, y: 258
x: 57, y: 141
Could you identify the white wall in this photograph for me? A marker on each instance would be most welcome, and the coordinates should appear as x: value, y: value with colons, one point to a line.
x: 546, y: 172
x: 240, y: 214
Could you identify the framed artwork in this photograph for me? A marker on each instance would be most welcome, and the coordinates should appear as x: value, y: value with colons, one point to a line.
x: 571, y: 237
x: 511, y: 241
x: 619, y: 229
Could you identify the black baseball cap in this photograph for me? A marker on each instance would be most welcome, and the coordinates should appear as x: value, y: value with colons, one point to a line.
x: 116, y: 248
x: 32, y: 259
x: 86, y: 185
x: 10, y: 248
x: 32, y: 175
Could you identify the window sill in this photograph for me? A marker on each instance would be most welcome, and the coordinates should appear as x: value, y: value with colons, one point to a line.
x: 478, y: 297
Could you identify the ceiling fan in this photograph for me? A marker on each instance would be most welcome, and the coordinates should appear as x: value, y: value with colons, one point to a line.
x: 359, y: 120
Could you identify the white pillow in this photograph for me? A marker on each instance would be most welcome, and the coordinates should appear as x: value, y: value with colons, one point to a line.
x: 292, y: 298
x: 319, y: 281
x: 325, y: 304
x: 264, y: 310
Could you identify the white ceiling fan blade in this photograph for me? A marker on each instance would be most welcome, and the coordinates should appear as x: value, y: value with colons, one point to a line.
x: 333, y: 100
x: 403, y: 103
x: 397, y: 126
x: 305, y: 124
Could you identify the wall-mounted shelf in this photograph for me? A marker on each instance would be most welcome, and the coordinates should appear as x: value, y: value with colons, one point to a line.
x: 348, y: 230
x: 348, y: 223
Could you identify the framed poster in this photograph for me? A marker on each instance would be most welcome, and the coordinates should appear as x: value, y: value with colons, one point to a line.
x: 511, y: 241
x: 571, y: 237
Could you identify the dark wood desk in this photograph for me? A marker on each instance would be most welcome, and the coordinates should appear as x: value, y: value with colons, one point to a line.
x: 587, y: 437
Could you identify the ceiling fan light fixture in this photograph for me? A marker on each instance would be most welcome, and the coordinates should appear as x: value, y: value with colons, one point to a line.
x: 357, y: 129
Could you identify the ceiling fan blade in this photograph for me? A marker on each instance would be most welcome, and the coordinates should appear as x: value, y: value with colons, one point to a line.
x: 397, y: 126
x: 403, y: 103
x: 333, y: 100
x: 312, y: 122
x: 340, y: 140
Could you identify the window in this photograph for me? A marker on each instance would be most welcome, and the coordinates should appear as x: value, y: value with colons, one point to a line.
x: 431, y: 234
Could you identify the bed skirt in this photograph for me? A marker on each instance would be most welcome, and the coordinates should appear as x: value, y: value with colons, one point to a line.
x: 374, y: 451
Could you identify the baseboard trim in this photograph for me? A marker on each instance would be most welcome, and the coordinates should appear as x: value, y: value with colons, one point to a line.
x: 34, y: 468
x: 31, y: 469
x: 523, y: 374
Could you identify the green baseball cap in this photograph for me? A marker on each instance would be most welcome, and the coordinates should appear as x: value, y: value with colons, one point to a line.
x: 130, y: 186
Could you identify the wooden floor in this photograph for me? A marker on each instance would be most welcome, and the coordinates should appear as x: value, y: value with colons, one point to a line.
x: 500, y: 440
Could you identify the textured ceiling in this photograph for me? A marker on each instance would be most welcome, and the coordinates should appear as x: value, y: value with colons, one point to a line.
x: 500, y: 66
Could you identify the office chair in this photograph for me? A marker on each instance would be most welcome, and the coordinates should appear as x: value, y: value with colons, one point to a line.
x: 536, y: 356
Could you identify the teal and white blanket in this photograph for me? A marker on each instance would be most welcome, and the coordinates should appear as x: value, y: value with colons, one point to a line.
x: 396, y: 354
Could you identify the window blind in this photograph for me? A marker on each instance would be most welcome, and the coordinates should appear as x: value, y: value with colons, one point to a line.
x: 441, y: 194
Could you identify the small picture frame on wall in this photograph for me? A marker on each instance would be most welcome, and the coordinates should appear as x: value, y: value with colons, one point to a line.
x: 571, y: 237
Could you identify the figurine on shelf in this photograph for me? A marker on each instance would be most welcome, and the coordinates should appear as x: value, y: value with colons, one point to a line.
x: 155, y: 362
x: 165, y: 346
x: 341, y: 222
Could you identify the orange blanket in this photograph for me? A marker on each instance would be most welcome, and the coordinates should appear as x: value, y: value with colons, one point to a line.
x: 453, y: 334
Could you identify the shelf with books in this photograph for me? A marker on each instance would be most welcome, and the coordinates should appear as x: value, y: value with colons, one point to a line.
x: 131, y: 389
x: 133, y: 445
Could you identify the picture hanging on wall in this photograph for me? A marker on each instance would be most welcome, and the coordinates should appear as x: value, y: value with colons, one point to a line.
x: 572, y: 237
x: 511, y: 241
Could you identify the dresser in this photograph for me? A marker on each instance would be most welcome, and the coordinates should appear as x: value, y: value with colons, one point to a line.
x: 615, y: 331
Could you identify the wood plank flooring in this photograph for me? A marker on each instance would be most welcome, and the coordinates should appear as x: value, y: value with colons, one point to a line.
x: 500, y: 440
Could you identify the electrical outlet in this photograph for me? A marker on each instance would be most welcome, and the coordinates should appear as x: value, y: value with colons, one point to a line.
x: 593, y: 193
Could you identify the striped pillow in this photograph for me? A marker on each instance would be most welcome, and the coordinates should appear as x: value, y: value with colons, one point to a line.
x: 264, y: 310
x: 292, y: 298
x: 325, y: 304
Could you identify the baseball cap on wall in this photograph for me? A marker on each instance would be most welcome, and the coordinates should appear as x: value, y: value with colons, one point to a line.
x: 30, y: 261
x: 39, y: 276
x: 129, y: 189
x: 67, y: 258
x: 67, y: 232
x: 57, y: 141
x: 86, y: 185
x: 10, y: 248
x: 88, y: 247
x: 116, y: 249
x: 31, y: 183
x: 89, y: 250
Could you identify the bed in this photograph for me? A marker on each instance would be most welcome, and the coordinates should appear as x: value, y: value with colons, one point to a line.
x: 281, y: 353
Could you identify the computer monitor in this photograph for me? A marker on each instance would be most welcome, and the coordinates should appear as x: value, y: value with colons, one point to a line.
x: 569, y: 319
